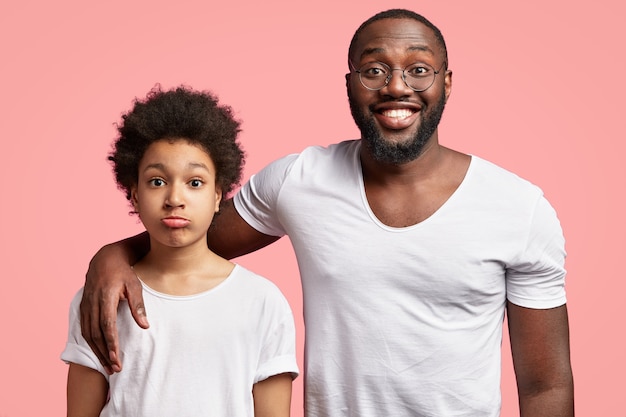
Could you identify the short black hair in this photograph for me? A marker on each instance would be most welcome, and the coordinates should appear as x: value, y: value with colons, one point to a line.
x: 398, y: 14
x: 195, y: 116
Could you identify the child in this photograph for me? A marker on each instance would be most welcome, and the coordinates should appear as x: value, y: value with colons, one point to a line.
x: 222, y: 339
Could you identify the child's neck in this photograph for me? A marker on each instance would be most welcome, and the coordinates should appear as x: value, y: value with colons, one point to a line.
x: 182, y: 271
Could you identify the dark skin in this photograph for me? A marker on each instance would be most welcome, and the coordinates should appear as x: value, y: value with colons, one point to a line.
x: 410, y: 193
x: 541, y: 357
x: 400, y: 195
x: 229, y: 236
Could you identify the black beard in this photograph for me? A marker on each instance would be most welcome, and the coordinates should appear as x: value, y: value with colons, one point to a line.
x: 397, y: 153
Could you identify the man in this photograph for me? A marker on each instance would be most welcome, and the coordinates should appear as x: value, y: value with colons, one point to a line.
x: 410, y: 253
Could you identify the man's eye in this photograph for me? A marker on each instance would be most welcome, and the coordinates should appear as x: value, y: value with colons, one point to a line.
x: 196, y: 183
x: 418, y: 71
x: 374, y: 71
x: 157, y: 182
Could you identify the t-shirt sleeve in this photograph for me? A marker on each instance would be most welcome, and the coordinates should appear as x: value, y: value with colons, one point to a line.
x: 76, y: 349
x: 278, y: 352
x: 256, y: 201
x: 537, y: 278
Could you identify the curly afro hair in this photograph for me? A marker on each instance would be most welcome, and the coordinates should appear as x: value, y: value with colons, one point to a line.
x: 195, y: 116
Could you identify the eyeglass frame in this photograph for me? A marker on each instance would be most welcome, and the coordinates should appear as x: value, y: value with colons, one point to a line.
x: 391, y: 70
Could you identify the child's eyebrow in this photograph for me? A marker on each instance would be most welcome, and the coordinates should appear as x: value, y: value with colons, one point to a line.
x: 199, y: 165
x: 159, y: 166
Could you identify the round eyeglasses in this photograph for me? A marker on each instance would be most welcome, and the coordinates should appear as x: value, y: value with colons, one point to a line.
x: 417, y: 76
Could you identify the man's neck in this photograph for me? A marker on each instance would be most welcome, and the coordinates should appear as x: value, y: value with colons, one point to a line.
x: 407, y: 194
x: 426, y: 165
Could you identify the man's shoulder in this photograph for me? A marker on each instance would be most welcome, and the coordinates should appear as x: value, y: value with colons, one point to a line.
x: 334, y: 149
x: 339, y: 155
x: 491, y: 171
x: 491, y: 182
x: 313, y: 155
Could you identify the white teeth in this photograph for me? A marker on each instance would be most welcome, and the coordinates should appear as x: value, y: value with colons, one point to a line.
x: 398, y: 113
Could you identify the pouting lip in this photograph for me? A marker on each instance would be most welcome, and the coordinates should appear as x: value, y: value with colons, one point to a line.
x: 175, y: 218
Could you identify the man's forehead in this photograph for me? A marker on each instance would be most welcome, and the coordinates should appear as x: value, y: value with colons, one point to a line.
x: 411, y: 46
x: 406, y: 34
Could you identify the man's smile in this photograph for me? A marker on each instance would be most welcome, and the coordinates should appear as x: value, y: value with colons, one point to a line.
x: 397, y: 113
x: 396, y: 116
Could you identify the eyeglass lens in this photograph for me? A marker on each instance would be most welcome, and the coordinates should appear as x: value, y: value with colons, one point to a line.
x: 376, y: 75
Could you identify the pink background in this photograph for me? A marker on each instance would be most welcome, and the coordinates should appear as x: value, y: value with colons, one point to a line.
x: 538, y: 89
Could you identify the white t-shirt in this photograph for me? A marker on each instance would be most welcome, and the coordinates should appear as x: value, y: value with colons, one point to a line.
x: 407, y: 321
x: 202, y: 353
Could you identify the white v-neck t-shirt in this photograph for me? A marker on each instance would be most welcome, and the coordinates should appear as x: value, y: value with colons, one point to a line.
x: 407, y: 321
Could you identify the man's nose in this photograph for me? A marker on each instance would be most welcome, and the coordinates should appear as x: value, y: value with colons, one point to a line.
x: 396, y: 86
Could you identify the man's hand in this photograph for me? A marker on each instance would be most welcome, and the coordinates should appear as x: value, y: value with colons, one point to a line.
x: 109, y: 280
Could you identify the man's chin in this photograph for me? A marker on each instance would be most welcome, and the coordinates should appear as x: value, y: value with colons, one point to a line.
x: 393, y: 151
x: 399, y: 137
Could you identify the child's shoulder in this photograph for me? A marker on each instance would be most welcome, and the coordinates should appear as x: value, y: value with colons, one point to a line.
x: 254, y: 283
x: 248, y: 277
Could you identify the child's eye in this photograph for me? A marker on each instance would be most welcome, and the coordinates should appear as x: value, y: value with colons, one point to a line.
x: 156, y: 182
x: 195, y: 183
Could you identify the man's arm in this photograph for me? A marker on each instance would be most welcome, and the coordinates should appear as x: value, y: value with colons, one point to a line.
x: 541, y: 358
x: 110, y: 279
x: 230, y: 236
x: 272, y: 396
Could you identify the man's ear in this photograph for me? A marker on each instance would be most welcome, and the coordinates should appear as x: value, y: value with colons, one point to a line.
x: 448, y: 83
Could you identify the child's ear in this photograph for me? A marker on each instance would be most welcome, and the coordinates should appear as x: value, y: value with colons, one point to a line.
x: 218, y: 197
x: 133, y: 198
